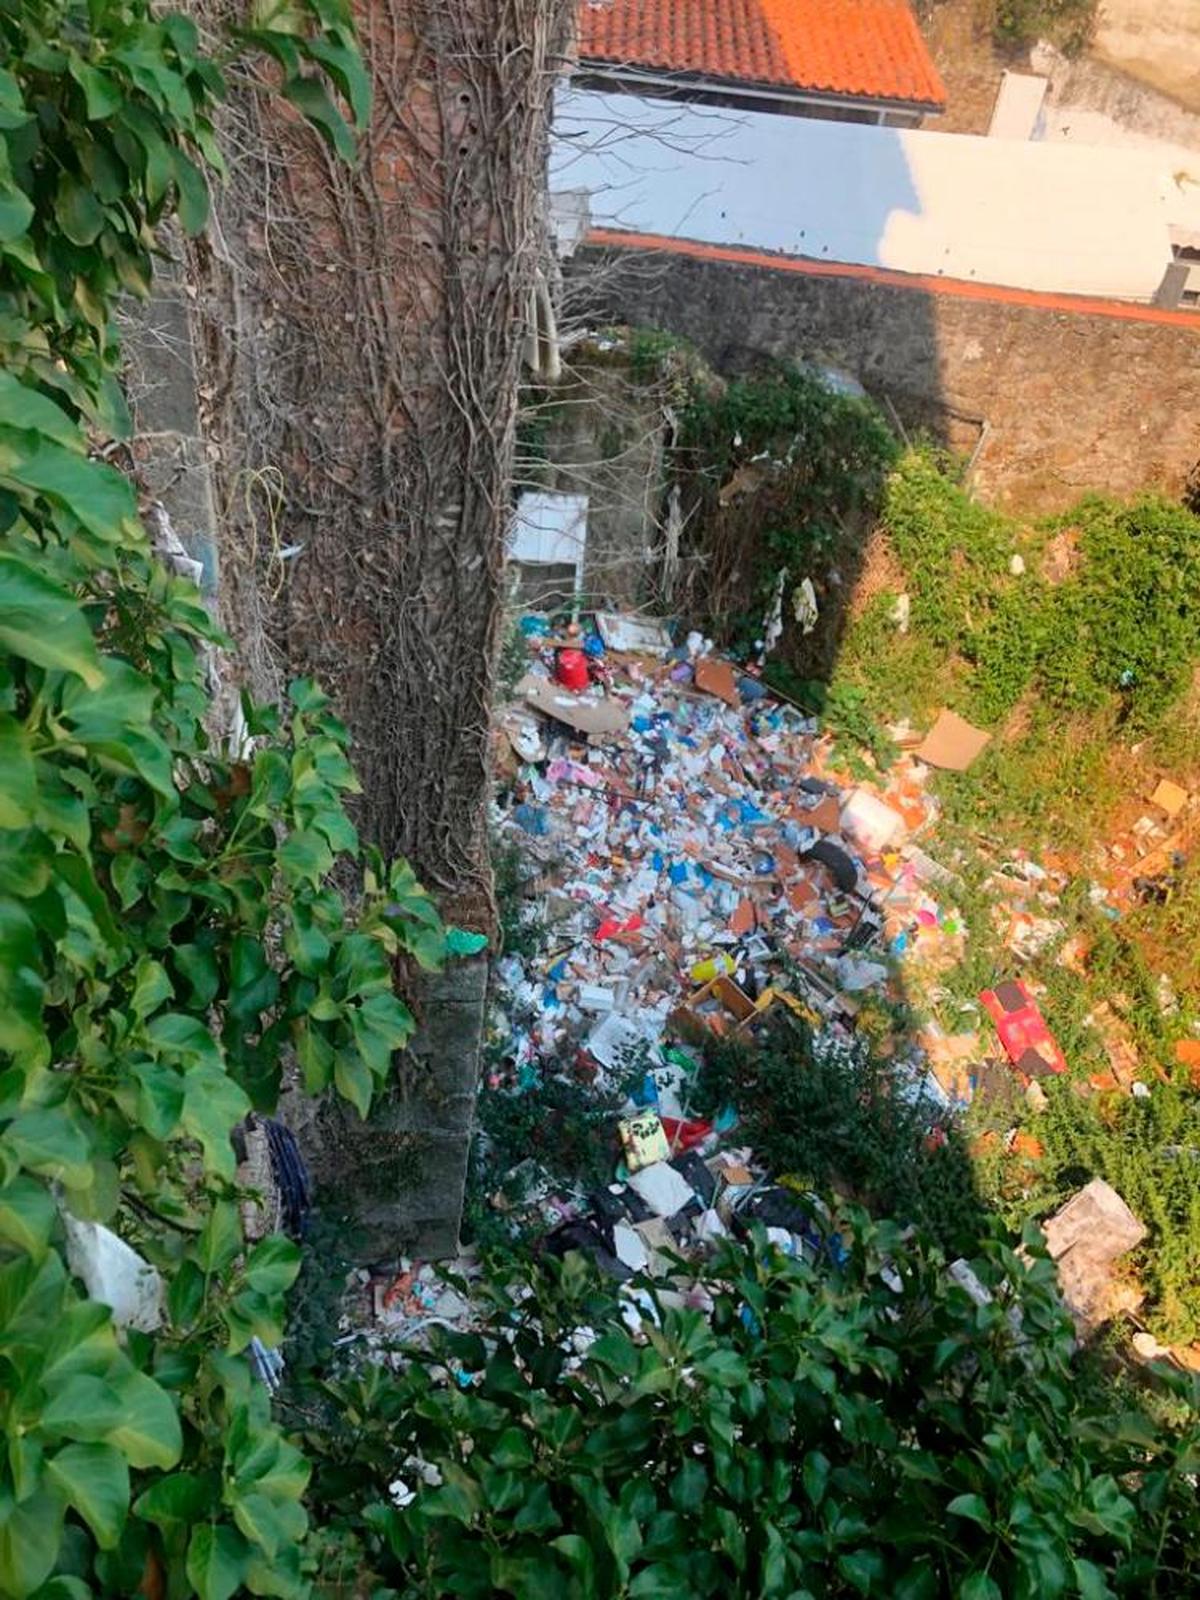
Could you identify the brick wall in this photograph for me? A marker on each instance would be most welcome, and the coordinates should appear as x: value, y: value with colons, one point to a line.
x: 1056, y: 401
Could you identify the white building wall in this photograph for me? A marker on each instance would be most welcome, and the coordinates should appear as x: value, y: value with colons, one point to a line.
x: 1058, y: 218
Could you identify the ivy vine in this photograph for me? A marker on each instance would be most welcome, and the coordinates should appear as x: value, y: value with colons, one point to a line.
x: 170, y: 928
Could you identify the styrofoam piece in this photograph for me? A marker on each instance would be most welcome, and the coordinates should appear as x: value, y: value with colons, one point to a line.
x: 629, y: 1248
x: 114, y: 1274
x: 663, y: 1189
x: 709, y: 1226
x: 871, y: 824
x: 593, y: 997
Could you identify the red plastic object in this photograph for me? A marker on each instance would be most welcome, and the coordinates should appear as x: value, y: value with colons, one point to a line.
x: 685, y: 1135
x: 1027, y: 1041
x: 612, y: 927
x: 571, y: 670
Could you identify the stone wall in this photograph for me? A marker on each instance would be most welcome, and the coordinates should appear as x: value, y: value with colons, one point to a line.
x: 602, y: 436
x: 1054, y: 402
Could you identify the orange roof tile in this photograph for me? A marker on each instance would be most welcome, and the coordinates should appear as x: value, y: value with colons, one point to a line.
x: 870, y: 49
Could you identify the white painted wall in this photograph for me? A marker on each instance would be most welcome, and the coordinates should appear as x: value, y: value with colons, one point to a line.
x: 1017, y: 113
x: 1059, y: 218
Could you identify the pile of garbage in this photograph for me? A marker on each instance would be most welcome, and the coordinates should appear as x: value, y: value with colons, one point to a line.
x: 699, y: 866
x: 697, y: 872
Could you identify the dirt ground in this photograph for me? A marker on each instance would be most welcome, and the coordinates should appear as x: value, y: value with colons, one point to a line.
x: 1135, y: 84
x: 1155, y: 41
x: 958, y: 33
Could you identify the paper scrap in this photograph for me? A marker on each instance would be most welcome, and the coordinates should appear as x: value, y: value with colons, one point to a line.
x: 951, y: 743
x: 584, y: 715
x: 1170, y: 796
x: 716, y: 677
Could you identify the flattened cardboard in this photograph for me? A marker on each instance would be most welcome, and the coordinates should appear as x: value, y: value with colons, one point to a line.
x: 717, y: 677
x: 585, y: 716
x: 952, y: 743
x: 1170, y: 796
x: 826, y: 816
x: 642, y: 635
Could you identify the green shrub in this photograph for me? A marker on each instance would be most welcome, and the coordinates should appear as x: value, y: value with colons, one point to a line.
x: 1131, y: 617
x: 1149, y: 1150
x: 1069, y: 24
x: 822, y: 1432
x: 1121, y: 631
x: 835, y: 1115
x: 826, y: 454
x: 956, y: 554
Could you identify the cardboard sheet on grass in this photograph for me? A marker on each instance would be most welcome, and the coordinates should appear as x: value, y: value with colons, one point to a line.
x: 952, y: 743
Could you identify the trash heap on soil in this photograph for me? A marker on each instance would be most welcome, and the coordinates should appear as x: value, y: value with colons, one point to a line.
x: 696, y: 873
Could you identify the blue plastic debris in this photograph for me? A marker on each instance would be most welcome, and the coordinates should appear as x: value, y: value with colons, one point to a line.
x: 534, y: 819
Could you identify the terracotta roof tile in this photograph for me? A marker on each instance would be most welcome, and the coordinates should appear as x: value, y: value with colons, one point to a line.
x: 866, y: 48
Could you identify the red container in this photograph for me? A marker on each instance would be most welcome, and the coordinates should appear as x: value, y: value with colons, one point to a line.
x: 571, y: 670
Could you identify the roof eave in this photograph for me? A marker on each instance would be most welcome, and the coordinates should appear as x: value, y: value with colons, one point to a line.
x: 798, y: 91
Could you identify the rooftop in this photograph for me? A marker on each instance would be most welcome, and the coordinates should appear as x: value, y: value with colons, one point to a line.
x: 868, y: 49
x: 1058, y: 218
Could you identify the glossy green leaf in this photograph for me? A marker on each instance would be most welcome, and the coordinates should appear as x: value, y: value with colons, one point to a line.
x: 101, y: 93
x: 273, y: 1265
x: 95, y: 1480
x: 345, y: 67
x: 18, y: 777
x: 148, y: 1432
x: 270, y: 1524
x: 192, y: 191
x: 180, y: 1037
x: 16, y: 211
x: 42, y: 623
x: 217, y: 1559
x: 80, y: 215
x: 254, y: 985
x: 972, y: 1506
x: 26, y: 858
x: 315, y: 1055
x: 98, y: 495
x: 180, y: 1497
x: 151, y: 987
x: 29, y: 1535
x: 24, y: 407
x: 305, y: 857
x: 82, y: 1406
x: 312, y: 100
x: 160, y: 1097
x: 21, y: 982
x: 64, y: 1587
x: 689, y: 1486
x: 220, y: 1238
x: 212, y: 1106
x: 52, y: 1143
x: 353, y: 1080
x: 27, y: 1215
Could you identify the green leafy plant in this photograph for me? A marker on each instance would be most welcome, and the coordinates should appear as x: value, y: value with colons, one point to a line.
x: 1119, y: 631
x: 1069, y: 24
x: 169, y: 925
x: 826, y: 456
x: 838, y: 1116
x: 870, y: 1430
